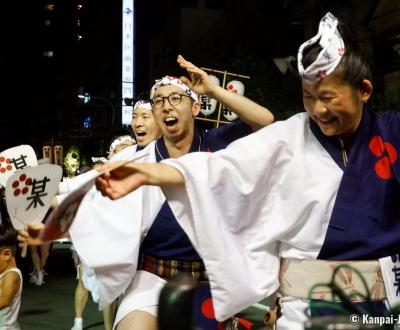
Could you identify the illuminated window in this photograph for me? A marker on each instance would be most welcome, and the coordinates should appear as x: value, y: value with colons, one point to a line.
x: 49, y: 6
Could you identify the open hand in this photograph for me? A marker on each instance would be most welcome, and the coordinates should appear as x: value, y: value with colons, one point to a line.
x: 199, y: 81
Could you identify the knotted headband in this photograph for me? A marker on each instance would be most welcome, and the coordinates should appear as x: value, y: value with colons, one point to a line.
x: 168, y: 80
x: 329, y: 57
x: 142, y: 104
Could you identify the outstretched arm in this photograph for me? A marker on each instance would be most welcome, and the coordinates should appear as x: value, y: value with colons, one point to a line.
x: 248, y: 111
x: 122, y: 180
x: 32, y: 235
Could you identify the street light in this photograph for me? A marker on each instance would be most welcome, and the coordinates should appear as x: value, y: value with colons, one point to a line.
x: 87, y: 98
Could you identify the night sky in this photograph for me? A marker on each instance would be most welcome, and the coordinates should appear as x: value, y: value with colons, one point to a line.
x: 39, y: 95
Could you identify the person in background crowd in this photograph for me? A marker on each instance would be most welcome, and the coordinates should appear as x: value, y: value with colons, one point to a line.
x: 145, y: 130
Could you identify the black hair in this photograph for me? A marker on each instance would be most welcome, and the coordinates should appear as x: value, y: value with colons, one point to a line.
x: 8, y: 238
x: 353, y: 67
x: 143, y: 96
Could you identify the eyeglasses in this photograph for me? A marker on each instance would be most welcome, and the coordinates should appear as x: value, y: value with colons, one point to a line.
x: 173, y: 99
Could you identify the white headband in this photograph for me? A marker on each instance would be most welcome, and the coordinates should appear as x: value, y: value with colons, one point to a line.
x: 142, y: 104
x: 332, y: 51
x: 118, y: 140
x: 168, y: 80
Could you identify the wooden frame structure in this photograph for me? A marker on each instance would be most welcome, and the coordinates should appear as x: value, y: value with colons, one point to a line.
x: 224, y: 74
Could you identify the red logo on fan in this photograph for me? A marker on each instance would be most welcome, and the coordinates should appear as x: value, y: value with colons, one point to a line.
x: 5, y: 164
x: 383, y: 167
x: 21, y: 186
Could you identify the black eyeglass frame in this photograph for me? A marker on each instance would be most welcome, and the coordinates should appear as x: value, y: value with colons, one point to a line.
x: 167, y: 98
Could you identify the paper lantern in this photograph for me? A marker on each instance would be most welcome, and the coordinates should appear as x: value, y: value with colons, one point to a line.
x: 237, y: 87
x: 207, y: 104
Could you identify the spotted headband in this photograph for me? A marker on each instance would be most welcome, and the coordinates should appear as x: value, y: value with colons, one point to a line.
x: 329, y: 57
x: 168, y: 80
x: 142, y: 104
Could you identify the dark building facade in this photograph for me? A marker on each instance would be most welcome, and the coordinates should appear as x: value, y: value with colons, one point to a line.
x: 54, y: 50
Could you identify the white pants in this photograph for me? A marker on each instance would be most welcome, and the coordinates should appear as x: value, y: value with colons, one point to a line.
x: 142, y: 294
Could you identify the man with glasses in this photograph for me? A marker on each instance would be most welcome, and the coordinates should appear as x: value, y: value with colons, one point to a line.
x: 166, y: 249
x: 142, y: 222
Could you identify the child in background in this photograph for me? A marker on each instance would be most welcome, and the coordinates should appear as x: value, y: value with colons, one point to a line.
x: 10, y: 280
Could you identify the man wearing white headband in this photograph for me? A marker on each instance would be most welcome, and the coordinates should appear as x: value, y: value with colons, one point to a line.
x: 279, y: 210
x: 123, y: 147
x: 166, y: 249
x: 143, y: 124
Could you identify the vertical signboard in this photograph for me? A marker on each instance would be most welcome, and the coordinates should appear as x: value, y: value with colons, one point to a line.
x: 128, y: 59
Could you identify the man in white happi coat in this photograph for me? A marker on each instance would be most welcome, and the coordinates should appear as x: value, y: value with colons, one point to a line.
x: 145, y: 130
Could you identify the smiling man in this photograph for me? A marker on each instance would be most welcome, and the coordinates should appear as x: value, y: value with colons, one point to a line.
x: 143, y: 124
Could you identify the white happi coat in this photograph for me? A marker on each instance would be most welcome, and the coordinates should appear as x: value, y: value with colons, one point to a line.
x: 266, y: 196
x: 107, y: 234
